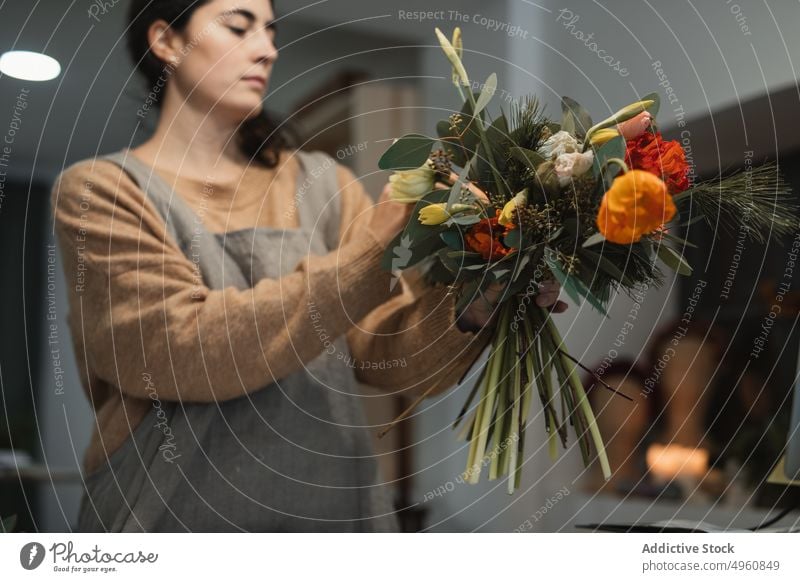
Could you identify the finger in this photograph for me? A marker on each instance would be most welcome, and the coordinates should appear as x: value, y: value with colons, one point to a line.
x: 387, y: 190
x: 559, y: 307
x: 494, y: 290
x: 549, y: 285
x: 546, y: 299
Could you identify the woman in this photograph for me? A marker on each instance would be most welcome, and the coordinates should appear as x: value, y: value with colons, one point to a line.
x: 227, y: 295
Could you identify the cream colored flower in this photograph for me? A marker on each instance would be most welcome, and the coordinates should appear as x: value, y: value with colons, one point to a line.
x: 510, y: 208
x: 561, y: 142
x: 408, y: 186
x: 435, y: 214
x: 602, y: 136
x: 572, y: 165
x: 453, y: 57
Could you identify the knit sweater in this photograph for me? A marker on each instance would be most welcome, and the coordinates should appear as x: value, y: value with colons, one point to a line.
x: 138, y: 311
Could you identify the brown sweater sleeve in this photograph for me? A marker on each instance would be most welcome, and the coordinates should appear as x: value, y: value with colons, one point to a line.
x: 411, y: 342
x: 143, y: 311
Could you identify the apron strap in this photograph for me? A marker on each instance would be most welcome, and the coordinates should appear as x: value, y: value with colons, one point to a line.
x: 177, y: 214
x: 318, y: 196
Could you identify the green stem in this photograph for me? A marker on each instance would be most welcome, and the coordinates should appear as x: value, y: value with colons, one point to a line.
x: 513, y: 460
x: 546, y: 363
x: 569, y: 407
x: 483, y: 419
x: 583, y: 403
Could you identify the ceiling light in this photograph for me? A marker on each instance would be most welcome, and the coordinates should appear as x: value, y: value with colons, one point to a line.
x: 29, y: 66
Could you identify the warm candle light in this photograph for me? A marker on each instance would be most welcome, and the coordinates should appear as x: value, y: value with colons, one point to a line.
x: 667, y: 462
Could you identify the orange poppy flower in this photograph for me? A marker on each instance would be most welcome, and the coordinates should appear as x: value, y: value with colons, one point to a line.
x: 636, y: 204
x: 484, y: 237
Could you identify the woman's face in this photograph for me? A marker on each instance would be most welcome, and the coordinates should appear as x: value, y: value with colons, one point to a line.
x: 225, y: 56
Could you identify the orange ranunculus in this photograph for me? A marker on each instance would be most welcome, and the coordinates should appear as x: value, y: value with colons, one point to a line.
x: 484, y: 237
x: 665, y: 159
x: 636, y: 204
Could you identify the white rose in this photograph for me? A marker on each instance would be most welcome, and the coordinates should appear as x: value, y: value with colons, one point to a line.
x: 572, y: 165
x: 559, y: 143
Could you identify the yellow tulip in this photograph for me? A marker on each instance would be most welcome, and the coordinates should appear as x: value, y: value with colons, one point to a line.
x: 435, y: 214
x: 602, y: 136
x: 510, y: 208
x: 452, y: 55
x: 408, y: 186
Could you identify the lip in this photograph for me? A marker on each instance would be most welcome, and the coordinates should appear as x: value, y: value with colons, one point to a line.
x: 256, y: 80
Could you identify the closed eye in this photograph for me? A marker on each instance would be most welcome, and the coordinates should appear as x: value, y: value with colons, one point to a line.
x: 237, y: 31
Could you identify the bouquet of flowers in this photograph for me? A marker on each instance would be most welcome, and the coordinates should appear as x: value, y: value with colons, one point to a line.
x: 519, y: 199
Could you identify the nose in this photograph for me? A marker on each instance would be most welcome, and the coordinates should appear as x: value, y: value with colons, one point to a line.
x: 264, y: 49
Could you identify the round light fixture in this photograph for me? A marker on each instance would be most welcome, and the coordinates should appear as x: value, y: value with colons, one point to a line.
x: 29, y: 66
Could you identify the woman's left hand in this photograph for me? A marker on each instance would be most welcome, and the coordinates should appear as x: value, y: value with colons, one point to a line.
x: 483, y: 310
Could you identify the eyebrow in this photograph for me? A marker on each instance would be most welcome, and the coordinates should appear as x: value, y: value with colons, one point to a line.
x: 249, y: 16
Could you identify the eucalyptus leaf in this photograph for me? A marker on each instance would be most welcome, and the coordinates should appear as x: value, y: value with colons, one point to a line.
x: 453, y: 239
x: 407, y: 153
x: 607, y: 266
x: 498, y: 138
x: 488, y: 91
x: 574, y: 287
x: 673, y: 260
x: 520, y: 265
x: 498, y: 273
x: 459, y: 262
x: 595, y: 239
x: 513, y: 238
x: 555, y: 234
x: 653, y: 109
x: 464, y: 220
x: 613, y: 148
x: 568, y: 123
x: 579, y: 118
x: 529, y: 157
x: 678, y: 240
x: 455, y: 190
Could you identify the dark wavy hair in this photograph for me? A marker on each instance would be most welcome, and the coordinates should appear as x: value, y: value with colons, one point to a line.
x: 261, y: 138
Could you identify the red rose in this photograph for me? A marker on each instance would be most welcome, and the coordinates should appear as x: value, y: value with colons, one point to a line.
x: 665, y: 159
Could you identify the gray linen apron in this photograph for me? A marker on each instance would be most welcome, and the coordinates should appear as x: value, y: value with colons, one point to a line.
x: 293, y: 456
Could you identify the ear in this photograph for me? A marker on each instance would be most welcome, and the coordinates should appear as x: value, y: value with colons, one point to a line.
x: 164, y: 42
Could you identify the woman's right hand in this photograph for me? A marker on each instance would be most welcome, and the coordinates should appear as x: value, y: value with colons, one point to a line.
x: 389, y: 217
